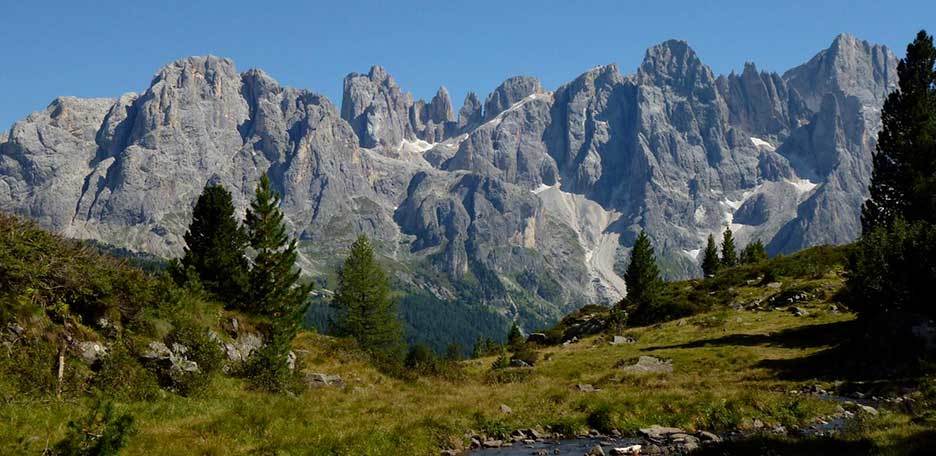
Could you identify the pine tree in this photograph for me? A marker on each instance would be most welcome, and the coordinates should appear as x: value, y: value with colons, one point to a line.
x: 362, y: 304
x: 753, y: 253
x: 642, y: 276
x: 275, y: 291
x: 903, y: 183
x: 514, y: 336
x: 215, y: 245
x: 710, y: 261
x: 729, y: 257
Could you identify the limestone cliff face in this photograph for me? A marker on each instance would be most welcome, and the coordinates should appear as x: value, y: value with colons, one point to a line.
x: 531, y: 199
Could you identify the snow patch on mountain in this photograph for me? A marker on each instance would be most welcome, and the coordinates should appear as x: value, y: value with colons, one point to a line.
x: 761, y: 144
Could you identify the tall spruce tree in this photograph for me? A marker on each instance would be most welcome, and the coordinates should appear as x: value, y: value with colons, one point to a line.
x: 753, y: 253
x: 363, y: 307
x: 729, y: 256
x: 515, y: 337
x: 710, y: 261
x: 215, y: 246
x: 642, y: 276
x: 275, y: 291
x: 903, y: 183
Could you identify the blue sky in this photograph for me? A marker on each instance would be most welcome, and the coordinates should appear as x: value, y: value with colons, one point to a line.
x: 105, y: 48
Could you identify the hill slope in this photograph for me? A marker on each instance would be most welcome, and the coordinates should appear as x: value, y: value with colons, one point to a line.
x: 749, y: 369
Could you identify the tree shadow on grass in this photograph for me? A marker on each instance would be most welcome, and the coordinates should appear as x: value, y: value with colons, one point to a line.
x: 848, y: 353
x: 819, y: 335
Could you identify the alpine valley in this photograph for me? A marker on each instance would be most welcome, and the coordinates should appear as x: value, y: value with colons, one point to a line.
x: 521, y: 206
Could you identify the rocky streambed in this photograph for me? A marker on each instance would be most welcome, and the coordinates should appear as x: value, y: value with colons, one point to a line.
x: 659, y: 440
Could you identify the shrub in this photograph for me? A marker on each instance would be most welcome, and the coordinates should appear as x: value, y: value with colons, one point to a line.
x: 601, y: 419
x: 102, y: 433
x: 201, y: 349
x: 502, y: 362
x: 265, y: 371
x: 527, y: 355
x: 122, y: 376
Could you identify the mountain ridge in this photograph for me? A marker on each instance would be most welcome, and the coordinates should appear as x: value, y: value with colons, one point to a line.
x: 526, y: 203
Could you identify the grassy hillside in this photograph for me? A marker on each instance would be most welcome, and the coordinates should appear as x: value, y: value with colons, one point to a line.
x: 735, y: 365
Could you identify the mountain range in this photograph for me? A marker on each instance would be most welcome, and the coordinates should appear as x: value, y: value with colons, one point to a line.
x: 521, y: 207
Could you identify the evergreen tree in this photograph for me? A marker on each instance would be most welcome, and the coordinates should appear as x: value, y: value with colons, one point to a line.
x: 215, y: 245
x: 753, y: 253
x: 275, y: 291
x: 729, y: 257
x: 453, y: 352
x: 514, y: 336
x: 903, y: 183
x: 642, y: 276
x: 363, y: 308
x: 710, y: 261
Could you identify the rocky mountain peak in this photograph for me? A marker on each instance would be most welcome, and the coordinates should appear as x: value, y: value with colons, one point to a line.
x: 674, y: 64
x: 849, y: 66
x: 509, y: 92
x: 440, y: 108
x: 470, y: 112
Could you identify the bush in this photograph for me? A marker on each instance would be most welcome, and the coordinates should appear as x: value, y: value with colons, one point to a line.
x: 101, y: 433
x: 526, y: 354
x: 266, y: 370
x: 122, y: 376
x: 502, y: 362
x: 601, y: 419
x: 893, y: 271
x: 422, y: 359
x: 201, y: 349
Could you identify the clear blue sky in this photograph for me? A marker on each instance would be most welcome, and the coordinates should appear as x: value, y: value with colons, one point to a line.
x: 105, y: 48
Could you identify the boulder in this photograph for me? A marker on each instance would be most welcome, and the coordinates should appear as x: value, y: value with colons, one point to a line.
x: 506, y: 410
x: 538, y: 338
x: 619, y: 340
x: 91, y: 352
x: 649, y: 364
x: 316, y: 380
x: 707, y: 437
x: 632, y: 450
x: 595, y: 451
x: 660, y: 433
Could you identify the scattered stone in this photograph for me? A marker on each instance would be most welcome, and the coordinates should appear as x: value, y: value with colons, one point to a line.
x: 774, y: 285
x: 649, y: 364
x: 798, y: 311
x: 707, y: 437
x: 586, y: 388
x: 243, y: 346
x: 619, y: 340
x: 316, y: 379
x: 291, y: 360
x: 595, y: 451
x: 157, y: 350
x: 626, y: 451
x: 91, y: 352
x: 492, y: 443
x: 15, y: 328
x: 505, y: 409
x: 660, y: 433
x: 519, y: 363
x: 868, y: 409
